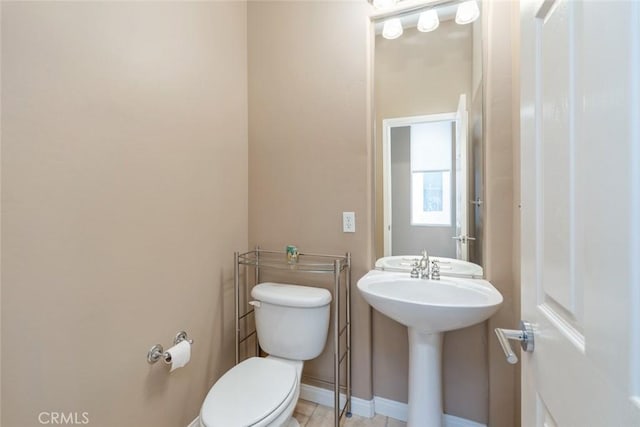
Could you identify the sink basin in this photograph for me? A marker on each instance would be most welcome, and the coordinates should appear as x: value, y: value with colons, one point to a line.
x: 428, y: 308
x: 448, y: 266
x: 430, y: 305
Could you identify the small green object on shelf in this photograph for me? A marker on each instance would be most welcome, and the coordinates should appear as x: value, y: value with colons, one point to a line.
x: 292, y: 254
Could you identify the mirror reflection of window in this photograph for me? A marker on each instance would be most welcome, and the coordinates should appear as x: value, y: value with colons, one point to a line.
x: 432, y: 190
x: 431, y: 164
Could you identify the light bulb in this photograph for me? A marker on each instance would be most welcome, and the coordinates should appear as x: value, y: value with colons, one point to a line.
x: 392, y: 29
x: 467, y: 12
x: 428, y: 21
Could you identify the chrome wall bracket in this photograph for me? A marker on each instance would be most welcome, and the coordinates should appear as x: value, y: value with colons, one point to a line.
x: 524, y: 335
x: 157, y: 351
x: 182, y: 336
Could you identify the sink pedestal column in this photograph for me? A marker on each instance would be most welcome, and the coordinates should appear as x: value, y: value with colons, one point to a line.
x: 425, y: 379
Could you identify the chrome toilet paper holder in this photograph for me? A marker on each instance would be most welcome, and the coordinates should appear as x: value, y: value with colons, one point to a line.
x: 157, y: 351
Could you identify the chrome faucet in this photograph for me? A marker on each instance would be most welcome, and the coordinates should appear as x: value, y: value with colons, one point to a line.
x: 424, y: 265
x: 422, y: 268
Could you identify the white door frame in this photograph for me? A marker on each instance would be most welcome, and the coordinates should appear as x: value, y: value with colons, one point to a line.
x: 387, y: 125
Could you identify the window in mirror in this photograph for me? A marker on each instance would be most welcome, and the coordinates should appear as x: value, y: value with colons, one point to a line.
x: 431, y: 198
x: 431, y: 164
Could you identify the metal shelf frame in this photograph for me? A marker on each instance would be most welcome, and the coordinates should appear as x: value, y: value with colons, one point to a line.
x: 338, y: 265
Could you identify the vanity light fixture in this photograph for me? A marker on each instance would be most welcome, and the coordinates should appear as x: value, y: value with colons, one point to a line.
x: 428, y: 21
x: 392, y: 29
x: 384, y: 4
x: 468, y: 12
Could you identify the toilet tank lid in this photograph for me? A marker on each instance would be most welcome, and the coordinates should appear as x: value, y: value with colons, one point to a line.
x: 291, y: 295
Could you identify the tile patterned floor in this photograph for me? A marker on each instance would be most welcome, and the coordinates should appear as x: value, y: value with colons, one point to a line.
x: 310, y: 414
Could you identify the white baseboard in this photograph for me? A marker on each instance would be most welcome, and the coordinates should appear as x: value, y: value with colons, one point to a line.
x: 324, y: 397
x: 379, y: 405
x: 368, y: 408
x: 453, y: 421
x: 390, y: 408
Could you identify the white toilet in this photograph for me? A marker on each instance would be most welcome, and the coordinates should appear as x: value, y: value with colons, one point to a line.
x: 292, y: 323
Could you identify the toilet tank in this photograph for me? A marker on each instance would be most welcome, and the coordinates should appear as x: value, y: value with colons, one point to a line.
x: 292, y: 320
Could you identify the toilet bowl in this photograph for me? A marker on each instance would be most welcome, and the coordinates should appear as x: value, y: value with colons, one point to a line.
x: 258, y: 392
x: 292, y: 322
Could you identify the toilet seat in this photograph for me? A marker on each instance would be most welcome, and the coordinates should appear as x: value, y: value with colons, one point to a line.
x: 252, y: 393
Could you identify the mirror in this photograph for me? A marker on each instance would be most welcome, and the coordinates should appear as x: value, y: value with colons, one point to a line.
x: 428, y: 127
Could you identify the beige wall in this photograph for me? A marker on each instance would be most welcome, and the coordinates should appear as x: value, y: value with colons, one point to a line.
x: 310, y: 156
x: 502, y: 216
x: 423, y: 73
x: 124, y: 193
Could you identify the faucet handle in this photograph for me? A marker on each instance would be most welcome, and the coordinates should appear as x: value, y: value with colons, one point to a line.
x: 414, y: 270
x: 435, y: 270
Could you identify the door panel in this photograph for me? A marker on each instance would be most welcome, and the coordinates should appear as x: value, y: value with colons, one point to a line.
x: 462, y: 194
x: 557, y: 106
x: 580, y: 137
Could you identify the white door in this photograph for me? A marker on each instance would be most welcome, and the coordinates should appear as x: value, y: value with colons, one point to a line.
x: 462, y: 196
x: 580, y: 108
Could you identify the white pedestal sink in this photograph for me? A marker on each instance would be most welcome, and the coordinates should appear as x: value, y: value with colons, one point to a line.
x: 428, y: 308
